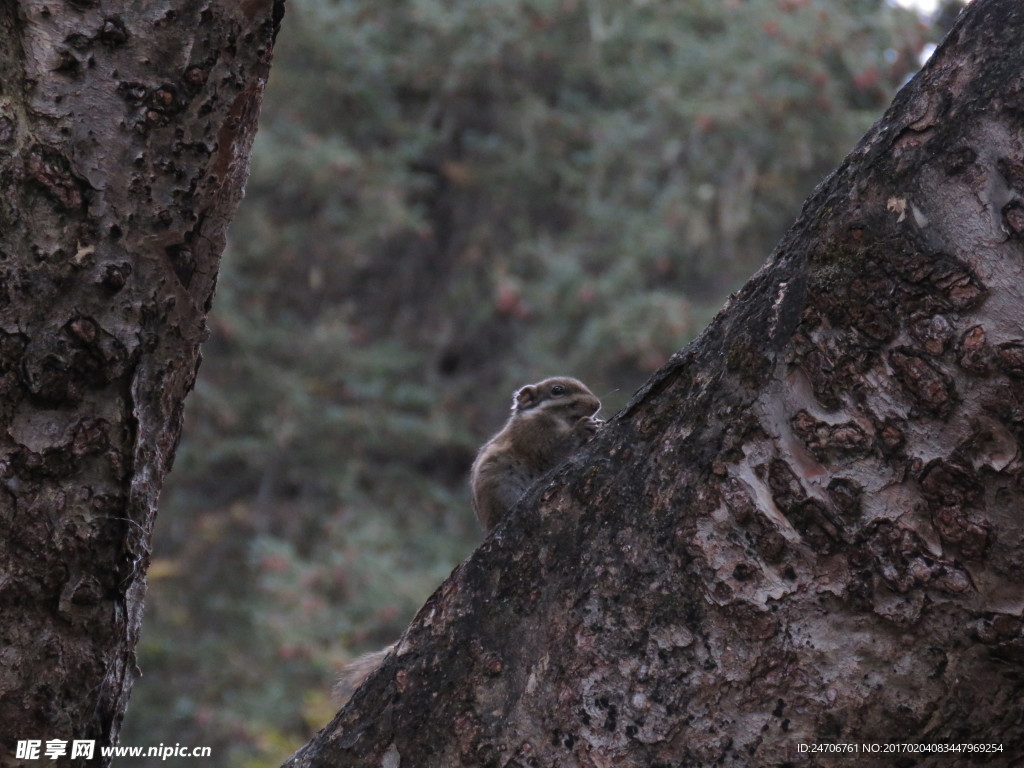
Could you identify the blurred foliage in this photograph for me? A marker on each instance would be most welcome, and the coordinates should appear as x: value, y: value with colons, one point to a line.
x: 450, y: 198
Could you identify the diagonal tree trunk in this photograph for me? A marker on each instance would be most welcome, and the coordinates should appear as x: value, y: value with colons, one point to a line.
x: 807, y: 529
x: 125, y: 130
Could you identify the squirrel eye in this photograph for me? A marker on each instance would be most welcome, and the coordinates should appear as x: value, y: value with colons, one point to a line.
x: 558, y: 389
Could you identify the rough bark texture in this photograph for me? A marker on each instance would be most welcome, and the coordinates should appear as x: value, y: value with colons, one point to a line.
x: 807, y: 528
x: 125, y: 130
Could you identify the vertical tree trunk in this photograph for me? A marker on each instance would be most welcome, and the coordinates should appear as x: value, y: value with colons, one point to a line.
x: 806, y: 529
x: 125, y: 130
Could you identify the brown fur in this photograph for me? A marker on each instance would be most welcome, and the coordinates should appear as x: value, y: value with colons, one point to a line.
x: 550, y: 420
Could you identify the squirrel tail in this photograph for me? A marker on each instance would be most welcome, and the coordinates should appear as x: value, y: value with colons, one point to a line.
x: 353, y: 675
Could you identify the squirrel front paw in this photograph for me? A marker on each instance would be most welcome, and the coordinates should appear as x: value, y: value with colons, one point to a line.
x: 588, y: 426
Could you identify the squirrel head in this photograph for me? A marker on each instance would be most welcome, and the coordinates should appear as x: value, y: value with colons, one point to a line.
x: 562, y: 393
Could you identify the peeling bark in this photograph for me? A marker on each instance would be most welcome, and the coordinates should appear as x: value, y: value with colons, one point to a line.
x: 125, y: 130
x: 806, y: 528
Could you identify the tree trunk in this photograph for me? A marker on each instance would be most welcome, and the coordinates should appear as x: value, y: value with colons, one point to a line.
x: 125, y: 131
x: 806, y: 529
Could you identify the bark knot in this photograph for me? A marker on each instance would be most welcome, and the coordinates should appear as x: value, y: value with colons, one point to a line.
x: 929, y: 387
x: 50, y: 170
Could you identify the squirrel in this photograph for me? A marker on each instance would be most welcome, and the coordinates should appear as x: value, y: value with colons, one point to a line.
x: 550, y: 420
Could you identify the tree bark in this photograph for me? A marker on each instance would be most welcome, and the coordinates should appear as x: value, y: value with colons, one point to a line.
x: 125, y: 130
x: 805, y: 529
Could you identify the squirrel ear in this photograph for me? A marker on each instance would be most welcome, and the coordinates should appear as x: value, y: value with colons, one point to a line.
x: 524, y: 398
